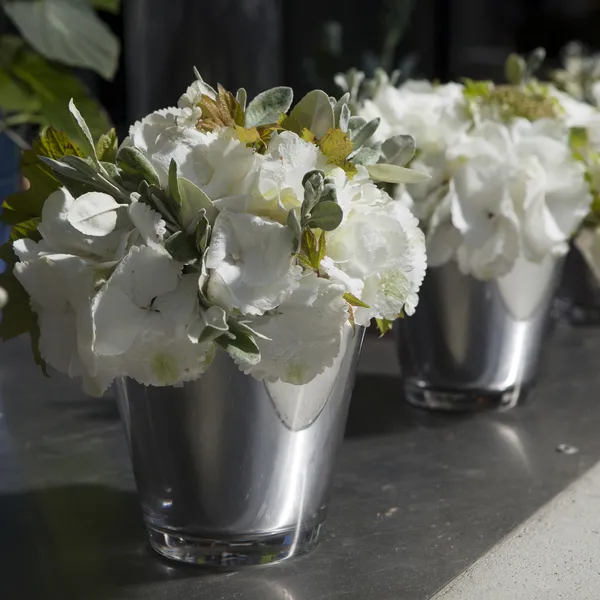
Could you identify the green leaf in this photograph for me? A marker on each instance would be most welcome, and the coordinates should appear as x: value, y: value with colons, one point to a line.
x: 94, y: 214
x: 344, y: 118
x: 365, y: 133
x: 242, y: 347
x: 181, y: 248
x: 394, y: 174
x: 355, y: 124
x: 107, y: 146
x: 398, y: 150
x: 28, y: 204
x: 354, y: 301
x: 313, y: 112
x: 514, y: 69
x: 338, y: 108
x: 133, y: 162
x: 322, y: 248
x: 211, y: 324
x: 310, y: 257
x: 16, y: 97
x: 174, y: 184
x: 294, y: 224
x: 242, y: 97
x: 366, y: 156
x: 384, y: 326
x: 326, y: 215
x: 110, y: 6
x: 203, y: 231
x: 54, y: 85
x: 67, y: 32
x: 193, y: 199
x: 55, y: 144
x: 85, y: 135
x: 268, y: 106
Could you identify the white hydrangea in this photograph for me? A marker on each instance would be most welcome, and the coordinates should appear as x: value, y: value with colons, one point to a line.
x: 302, y: 337
x: 498, y: 189
x: 147, y: 281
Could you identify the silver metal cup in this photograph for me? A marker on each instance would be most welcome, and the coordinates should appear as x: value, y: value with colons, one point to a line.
x: 475, y: 344
x: 579, y: 293
x: 232, y: 471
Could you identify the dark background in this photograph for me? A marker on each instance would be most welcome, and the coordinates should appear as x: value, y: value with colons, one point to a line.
x: 261, y: 43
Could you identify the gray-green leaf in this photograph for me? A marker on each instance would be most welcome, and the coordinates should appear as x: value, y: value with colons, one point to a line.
x: 194, y: 199
x: 394, y: 174
x: 242, y: 347
x: 133, y: 161
x: 87, y: 141
x: 181, y: 248
x: 314, y: 112
x: 211, y: 324
x: 294, y: 224
x: 514, y: 69
x: 268, y: 105
x: 398, y: 150
x: 241, y: 96
x: 355, y: 124
x: 365, y: 133
x: 68, y: 32
x: 326, y: 215
x: 366, y: 156
x: 94, y: 214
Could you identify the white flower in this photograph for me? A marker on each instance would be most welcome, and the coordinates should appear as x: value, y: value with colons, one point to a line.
x: 141, y: 315
x: 145, y: 133
x: 382, y: 246
x: 217, y: 162
x: 287, y: 159
x: 60, y: 287
x: 435, y: 115
x: 515, y: 182
x: 193, y: 95
x: 303, y: 334
x: 250, y: 259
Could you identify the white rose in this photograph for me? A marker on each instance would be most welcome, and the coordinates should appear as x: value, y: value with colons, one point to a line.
x: 250, y: 263
x: 302, y: 337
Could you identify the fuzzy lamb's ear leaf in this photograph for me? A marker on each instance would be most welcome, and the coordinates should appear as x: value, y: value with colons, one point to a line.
x: 87, y: 142
x: 194, y: 199
x: 133, y: 162
x: 94, y: 214
x: 366, y: 156
x: 394, y: 174
x: 181, y: 248
x: 398, y: 150
x: 344, y: 118
x: 242, y: 347
x: 326, y: 215
x: 364, y: 134
x: 337, y: 109
x: 355, y: 124
x: 268, y: 106
x: 313, y: 112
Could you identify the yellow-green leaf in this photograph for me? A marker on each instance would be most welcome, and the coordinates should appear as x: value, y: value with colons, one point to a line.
x: 107, y: 146
x: 55, y: 144
x: 384, y: 326
x: 354, y: 301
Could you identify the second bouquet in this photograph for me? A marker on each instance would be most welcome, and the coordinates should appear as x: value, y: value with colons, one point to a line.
x: 508, y: 189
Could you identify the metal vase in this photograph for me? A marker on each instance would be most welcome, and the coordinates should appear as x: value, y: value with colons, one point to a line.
x: 475, y: 344
x: 232, y: 471
x: 579, y: 294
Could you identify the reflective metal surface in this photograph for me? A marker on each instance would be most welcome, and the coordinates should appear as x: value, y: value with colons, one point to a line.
x: 579, y: 294
x: 232, y: 471
x: 473, y: 344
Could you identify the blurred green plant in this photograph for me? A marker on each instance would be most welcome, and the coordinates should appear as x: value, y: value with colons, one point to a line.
x: 36, y: 79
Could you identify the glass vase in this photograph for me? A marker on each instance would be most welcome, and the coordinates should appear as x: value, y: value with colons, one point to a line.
x: 476, y: 344
x: 232, y: 471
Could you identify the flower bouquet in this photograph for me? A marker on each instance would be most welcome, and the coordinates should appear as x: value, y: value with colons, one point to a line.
x: 579, y: 296
x: 221, y: 240
x: 507, y: 191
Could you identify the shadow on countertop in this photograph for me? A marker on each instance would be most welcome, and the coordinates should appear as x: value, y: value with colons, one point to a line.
x: 76, y: 542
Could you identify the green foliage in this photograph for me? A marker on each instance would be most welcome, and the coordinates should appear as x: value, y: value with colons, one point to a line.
x: 35, y: 90
x: 239, y: 342
x: 268, y: 106
x: 384, y: 326
x: 68, y: 32
x: 107, y: 146
x: 110, y: 6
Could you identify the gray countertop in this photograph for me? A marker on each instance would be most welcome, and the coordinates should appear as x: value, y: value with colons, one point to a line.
x: 418, y: 496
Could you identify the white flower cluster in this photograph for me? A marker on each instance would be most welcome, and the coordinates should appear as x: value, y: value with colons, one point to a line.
x: 118, y: 292
x: 500, y: 187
